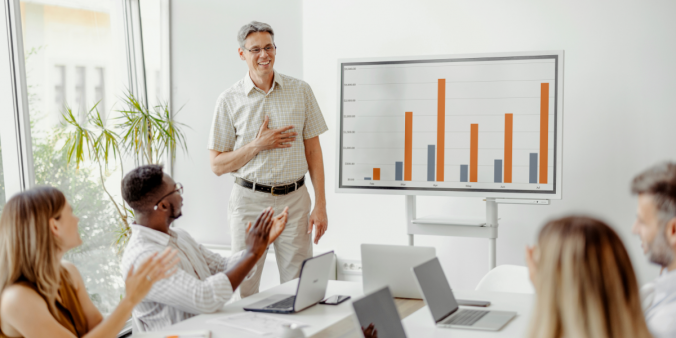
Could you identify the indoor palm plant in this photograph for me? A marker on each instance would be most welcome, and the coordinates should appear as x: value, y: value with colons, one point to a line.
x: 147, y: 135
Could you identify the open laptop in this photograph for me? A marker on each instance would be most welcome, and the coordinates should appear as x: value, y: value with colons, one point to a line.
x: 439, y: 298
x: 390, y: 265
x: 378, y: 309
x: 312, y: 283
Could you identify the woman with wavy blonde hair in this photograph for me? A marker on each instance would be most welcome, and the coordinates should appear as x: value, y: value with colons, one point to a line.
x: 43, y: 296
x: 585, y: 283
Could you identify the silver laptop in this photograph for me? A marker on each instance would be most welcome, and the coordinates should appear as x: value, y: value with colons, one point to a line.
x: 390, y: 265
x: 443, y: 306
x: 378, y: 309
x: 312, y: 283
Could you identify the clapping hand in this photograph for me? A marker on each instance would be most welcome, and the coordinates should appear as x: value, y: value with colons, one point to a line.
x: 154, y: 269
x: 370, y: 331
x: 278, y: 225
x: 531, y: 263
x: 258, y: 235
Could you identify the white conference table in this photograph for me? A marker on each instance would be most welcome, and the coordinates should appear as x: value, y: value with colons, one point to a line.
x: 318, y: 317
x: 321, y: 317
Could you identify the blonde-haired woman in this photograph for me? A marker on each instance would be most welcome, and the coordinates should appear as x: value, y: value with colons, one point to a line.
x: 41, y: 296
x: 585, y: 283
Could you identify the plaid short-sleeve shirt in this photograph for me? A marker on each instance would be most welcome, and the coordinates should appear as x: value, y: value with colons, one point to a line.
x: 239, y: 113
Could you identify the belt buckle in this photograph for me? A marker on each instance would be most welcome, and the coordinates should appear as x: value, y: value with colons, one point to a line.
x: 272, y: 191
x: 286, y: 190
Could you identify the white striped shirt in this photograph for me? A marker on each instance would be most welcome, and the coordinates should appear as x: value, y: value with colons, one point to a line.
x: 199, y: 286
x: 238, y: 117
x: 659, y: 302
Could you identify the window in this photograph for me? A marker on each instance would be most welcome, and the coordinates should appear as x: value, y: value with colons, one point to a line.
x: 73, y: 42
x: 152, y: 51
x: 100, y: 92
x: 80, y: 93
x: 59, y: 89
x: 158, y: 81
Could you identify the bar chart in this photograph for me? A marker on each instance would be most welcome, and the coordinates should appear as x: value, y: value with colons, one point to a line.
x: 457, y: 124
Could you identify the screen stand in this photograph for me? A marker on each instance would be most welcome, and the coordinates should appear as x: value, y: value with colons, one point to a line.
x: 491, y: 221
x: 410, y: 215
x: 477, y: 228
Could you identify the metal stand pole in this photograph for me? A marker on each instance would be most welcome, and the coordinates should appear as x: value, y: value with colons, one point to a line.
x: 410, y: 214
x: 491, y: 221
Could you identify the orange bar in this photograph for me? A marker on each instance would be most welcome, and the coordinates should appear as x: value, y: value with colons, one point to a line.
x: 408, y: 148
x: 376, y: 174
x: 474, y: 153
x: 544, y: 131
x: 441, y: 128
x: 509, y: 130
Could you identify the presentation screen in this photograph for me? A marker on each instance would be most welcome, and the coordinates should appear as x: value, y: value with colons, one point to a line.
x: 485, y: 125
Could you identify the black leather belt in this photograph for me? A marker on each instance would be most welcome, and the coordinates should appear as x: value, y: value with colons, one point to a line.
x: 275, y: 190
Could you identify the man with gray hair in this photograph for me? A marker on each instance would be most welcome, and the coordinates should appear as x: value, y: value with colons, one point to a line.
x: 656, y: 225
x: 265, y: 131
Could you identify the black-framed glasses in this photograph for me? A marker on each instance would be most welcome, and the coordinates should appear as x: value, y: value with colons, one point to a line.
x: 268, y: 49
x: 178, y: 187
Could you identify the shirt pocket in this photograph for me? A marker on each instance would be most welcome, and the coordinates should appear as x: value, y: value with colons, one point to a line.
x: 248, y: 119
x: 290, y: 113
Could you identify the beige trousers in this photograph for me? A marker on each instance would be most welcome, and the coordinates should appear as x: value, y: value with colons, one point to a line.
x: 292, y: 247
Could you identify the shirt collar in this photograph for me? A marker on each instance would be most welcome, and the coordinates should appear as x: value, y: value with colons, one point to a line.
x: 152, y: 235
x: 249, y: 85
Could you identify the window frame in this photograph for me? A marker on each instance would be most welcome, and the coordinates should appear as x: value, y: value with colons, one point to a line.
x: 16, y: 135
x: 136, y: 57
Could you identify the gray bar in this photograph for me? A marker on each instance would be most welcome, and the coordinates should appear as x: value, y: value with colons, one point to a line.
x: 464, y: 168
x: 430, y: 162
x: 398, y: 171
x: 367, y: 178
x: 533, y: 168
x: 497, y: 171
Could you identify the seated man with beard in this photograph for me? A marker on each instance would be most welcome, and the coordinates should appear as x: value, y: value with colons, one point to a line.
x: 205, y: 280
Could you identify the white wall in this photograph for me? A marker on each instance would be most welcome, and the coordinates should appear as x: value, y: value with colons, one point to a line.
x: 204, y: 64
x: 619, y: 109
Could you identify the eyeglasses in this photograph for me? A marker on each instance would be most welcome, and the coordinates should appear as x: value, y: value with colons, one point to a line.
x: 268, y: 49
x: 178, y: 188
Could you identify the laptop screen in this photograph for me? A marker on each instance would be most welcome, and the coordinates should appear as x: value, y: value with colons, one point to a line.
x: 313, y: 280
x: 378, y: 309
x: 435, y: 288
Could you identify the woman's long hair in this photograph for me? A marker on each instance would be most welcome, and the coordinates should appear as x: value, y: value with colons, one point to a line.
x: 585, y: 283
x: 28, y: 249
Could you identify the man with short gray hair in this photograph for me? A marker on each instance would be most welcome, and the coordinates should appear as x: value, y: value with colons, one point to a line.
x: 265, y: 131
x: 656, y: 225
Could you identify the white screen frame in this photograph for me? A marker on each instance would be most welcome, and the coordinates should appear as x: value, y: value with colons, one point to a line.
x: 558, y: 165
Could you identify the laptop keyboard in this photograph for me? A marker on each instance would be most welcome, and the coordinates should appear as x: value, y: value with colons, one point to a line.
x: 466, y: 317
x: 283, y: 304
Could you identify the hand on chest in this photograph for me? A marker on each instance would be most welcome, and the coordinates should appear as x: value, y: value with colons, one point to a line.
x: 281, y: 113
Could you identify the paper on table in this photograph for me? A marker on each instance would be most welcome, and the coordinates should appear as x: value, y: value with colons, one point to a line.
x: 181, y: 334
x: 255, y: 322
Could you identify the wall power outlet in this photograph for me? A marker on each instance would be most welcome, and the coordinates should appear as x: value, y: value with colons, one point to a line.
x: 349, y: 267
